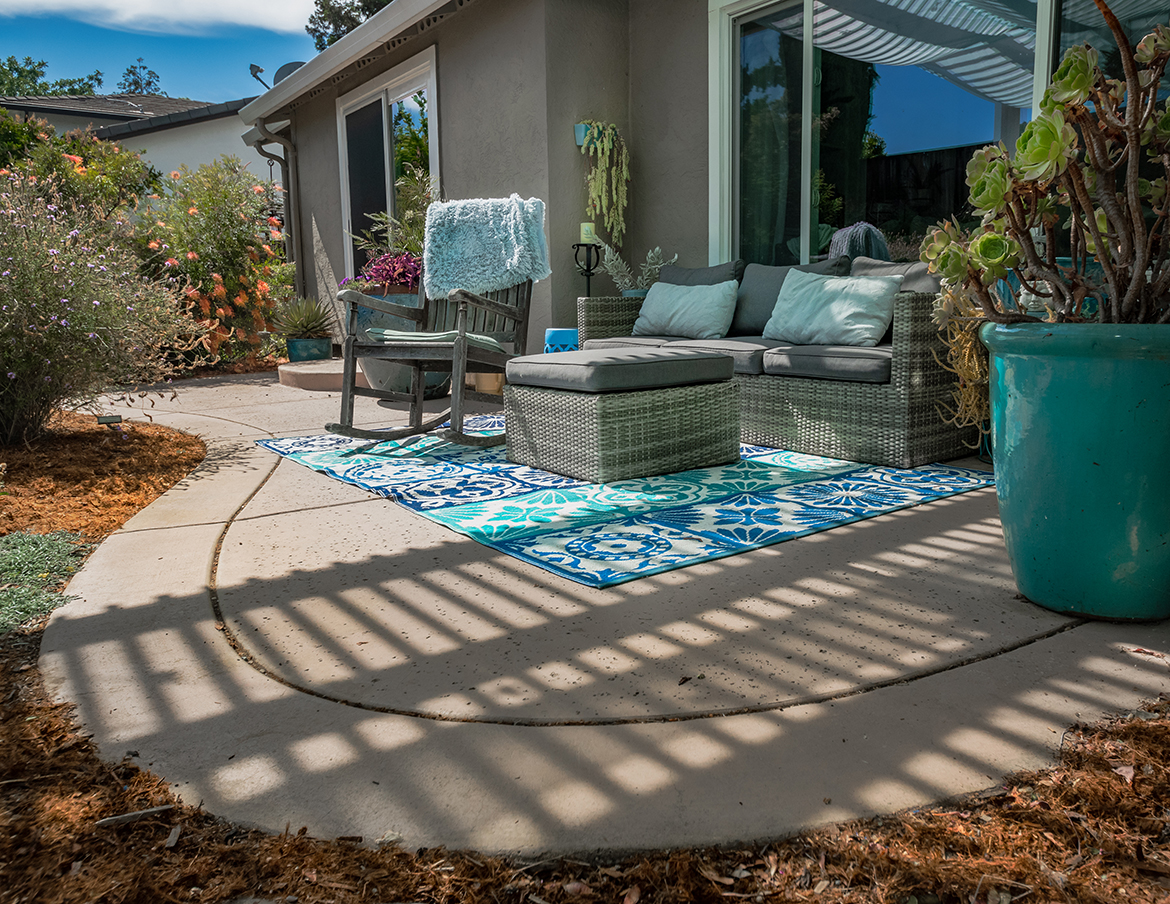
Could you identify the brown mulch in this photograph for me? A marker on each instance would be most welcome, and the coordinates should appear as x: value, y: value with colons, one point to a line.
x: 1094, y: 829
x: 88, y: 478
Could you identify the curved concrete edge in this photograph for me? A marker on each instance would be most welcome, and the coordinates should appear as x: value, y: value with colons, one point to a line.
x: 140, y: 656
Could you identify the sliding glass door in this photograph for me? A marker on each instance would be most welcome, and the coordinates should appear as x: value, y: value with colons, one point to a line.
x: 869, y: 116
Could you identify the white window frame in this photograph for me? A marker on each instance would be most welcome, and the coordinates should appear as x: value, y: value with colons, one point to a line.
x: 419, y: 73
x: 722, y: 50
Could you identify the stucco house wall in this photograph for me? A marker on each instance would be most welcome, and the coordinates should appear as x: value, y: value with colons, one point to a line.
x: 513, y: 77
x: 669, y: 168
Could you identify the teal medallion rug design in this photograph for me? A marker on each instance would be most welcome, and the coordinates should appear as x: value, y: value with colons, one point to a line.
x: 605, y: 534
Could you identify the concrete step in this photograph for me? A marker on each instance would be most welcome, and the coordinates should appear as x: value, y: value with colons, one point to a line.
x: 317, y: 376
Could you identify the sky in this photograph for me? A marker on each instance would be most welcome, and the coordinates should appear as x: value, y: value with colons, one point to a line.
x: 200, y: 49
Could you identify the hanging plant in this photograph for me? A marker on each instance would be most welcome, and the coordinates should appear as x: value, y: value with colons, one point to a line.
x: 609, y: 171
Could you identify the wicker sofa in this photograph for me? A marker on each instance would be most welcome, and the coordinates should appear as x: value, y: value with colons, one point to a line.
x: 879, y: 406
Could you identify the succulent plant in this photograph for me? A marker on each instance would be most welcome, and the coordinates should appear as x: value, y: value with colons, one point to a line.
x: 304, y: 318
x: 1075, y: 168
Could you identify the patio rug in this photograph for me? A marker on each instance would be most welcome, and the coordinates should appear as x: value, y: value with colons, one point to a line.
x: 605, y: 534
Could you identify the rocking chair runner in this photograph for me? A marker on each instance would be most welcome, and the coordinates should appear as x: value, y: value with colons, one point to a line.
x: 463, y: 334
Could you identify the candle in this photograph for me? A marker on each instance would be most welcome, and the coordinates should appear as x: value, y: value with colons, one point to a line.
x: 588, y: 235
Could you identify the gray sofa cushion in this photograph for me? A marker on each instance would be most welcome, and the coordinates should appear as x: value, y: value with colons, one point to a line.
x: 701, y: 276
x: 746, y: 351
x: 915, y: 278
x: 618, y: 370
x: 761, y: 287
x: 831, y: 362
x: 629, y: 342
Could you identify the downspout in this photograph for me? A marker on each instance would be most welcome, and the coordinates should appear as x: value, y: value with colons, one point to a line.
x: 288, y: 175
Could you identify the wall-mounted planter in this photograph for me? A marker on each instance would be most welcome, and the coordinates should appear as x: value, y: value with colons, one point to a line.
x: 580, y: 130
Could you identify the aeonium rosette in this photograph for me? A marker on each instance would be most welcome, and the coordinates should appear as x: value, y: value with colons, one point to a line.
x: 1046, y: 147
x: 995, y: 254
x: 989, y: 176
x: 1073, y: 81
x: 943, y: 250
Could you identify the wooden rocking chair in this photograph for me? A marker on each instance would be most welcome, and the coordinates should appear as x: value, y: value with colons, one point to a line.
x: 463, y: 334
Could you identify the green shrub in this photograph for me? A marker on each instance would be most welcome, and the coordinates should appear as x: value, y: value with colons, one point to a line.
x: 75, y: 316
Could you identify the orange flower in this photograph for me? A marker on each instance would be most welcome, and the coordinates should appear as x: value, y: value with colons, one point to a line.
x: 153, y: 246
x: 73, y: 157
x: 171, y: 262
x: 276, y: 235
x: 216, y: 277
x: 192, y: 256
x: 204, y: 306
x: 262, y: 287
x: 219, y: 292
x: 175, y: 174
x: 273, y: 221
x: 192, y: 211
x: 258, y: 189
x: 242, y: 299
x: 220, y: 312
x: 268, y: 248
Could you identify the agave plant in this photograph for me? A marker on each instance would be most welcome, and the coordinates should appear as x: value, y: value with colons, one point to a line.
x: 1075, y: 170
x: 304, y: 318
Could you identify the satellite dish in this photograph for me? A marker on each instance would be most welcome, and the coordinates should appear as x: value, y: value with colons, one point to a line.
x: 285, y: 71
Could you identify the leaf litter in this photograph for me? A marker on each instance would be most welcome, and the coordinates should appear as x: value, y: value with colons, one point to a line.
x: 1095, y: 828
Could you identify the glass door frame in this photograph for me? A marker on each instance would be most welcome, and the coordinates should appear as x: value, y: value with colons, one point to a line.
x: 419, y: 73
x: 723, y: 21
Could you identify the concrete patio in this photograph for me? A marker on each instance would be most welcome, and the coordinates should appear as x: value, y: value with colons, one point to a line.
x: 286, y: 649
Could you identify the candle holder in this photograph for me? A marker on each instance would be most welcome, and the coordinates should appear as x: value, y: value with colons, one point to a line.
x: 592, y: 261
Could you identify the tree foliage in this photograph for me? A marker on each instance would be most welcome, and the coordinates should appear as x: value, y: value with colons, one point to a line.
x: 27, y: 79
x: 139, y: 79
x: 334, y: 19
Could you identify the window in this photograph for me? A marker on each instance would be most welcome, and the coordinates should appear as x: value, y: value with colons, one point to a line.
x: 844, y: 111
x: 373, y: 123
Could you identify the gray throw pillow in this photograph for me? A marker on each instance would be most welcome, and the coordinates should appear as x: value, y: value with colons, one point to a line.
x: 915, y: 277
x: 691, y: 312
x: 701, y: 276
x: 761, y: 286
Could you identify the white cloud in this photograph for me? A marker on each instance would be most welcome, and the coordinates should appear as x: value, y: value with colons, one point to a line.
x: 177, y: 17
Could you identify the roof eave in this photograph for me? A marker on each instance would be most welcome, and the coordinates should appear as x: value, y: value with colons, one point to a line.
x: 386, y: 24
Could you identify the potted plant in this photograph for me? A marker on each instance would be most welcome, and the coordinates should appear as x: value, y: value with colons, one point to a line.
x: 623, y: 277
x: 1080, y: 352
x: 306, y: 325
x: 605, y: 182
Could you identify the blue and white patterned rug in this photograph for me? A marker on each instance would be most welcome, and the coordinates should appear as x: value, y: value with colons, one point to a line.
x: 605, y: 534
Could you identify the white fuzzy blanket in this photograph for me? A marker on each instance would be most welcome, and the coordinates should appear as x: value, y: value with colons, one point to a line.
x: 482, y: 245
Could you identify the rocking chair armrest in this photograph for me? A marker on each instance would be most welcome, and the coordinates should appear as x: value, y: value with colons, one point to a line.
x: 463, y: 297
x: 358, y: 300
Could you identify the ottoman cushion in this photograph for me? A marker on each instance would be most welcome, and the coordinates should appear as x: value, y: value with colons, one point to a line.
x: 619, y: 370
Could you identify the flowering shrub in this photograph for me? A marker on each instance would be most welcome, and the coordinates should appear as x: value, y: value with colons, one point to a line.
x: 75, y: 316
x: 87, y: 170
x: 210, y: 233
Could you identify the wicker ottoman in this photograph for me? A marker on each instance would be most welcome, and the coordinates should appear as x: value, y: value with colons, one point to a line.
x: 613, y: 414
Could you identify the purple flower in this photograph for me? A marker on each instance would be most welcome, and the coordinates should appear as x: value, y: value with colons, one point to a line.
x: 395, y: 269
x: 11, y: 375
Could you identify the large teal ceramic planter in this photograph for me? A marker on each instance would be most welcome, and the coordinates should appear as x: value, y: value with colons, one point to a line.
x: 386, y: 375
x: 1080, y: 423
